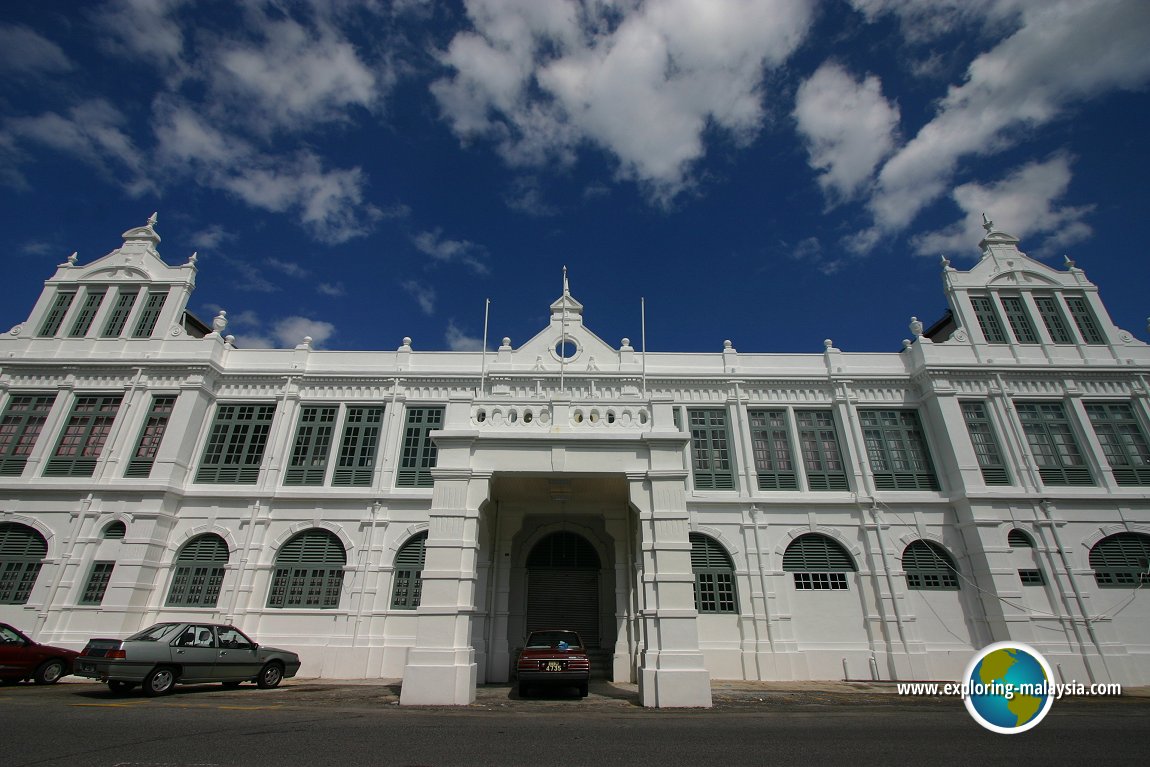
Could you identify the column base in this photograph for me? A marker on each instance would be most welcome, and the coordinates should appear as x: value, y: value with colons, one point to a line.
x: 675, y: 688
x: 438, y: 678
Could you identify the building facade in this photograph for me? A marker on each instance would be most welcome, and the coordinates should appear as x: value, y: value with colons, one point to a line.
x: 409, y: 514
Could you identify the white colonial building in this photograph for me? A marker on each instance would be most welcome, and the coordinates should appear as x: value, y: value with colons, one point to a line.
x: 410, y: 514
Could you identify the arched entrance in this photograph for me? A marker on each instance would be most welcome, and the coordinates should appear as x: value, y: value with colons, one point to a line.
x: 563, y: 586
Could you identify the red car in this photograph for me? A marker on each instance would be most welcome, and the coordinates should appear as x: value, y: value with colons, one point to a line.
x: 553, y: 658
x: 21, y: 658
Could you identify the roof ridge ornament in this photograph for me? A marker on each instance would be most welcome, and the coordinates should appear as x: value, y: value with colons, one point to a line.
x: 987, y: 224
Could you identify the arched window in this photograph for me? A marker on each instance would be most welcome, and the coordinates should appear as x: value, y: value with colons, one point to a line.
x: 819, y: 563
x: 199, y: 572
x: 409, y: 573
x: 563, y: 550
x: 309, y: 571
x: 714, y: 576
x: 1019, y: 540
x: 929, y: 567
x: 1121, y: 561
x: 22, y: 552
x: 115, y: 531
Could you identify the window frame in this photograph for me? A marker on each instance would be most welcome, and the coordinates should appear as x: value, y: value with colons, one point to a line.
x: 82, y: 324
x: 198, y: 572
x: 57, y: 312
x: 886, y: 442
x: 121, y: 313
x: 715, y: 585
x: 771, y: 449
x: 311, y: 446
x: 359, y: 442
x: 1123, y: 441
x: 307, y: 575
x: 984, y: 441
x: 712, y: 455
x: 99, y: 576
x: 818, y: 562
x: 1085, y: 320
x: 151, y: 436
x: 1018, y: 318
x: 150, y: 313
x: 418, y: 453
x: 986, y: 314
x: 1118, y: 561
x: 84, y: 436
x: 407, y: 575
x: 235, y: 447
x: 1056, y: 465
x: 1054, y: 320
x: 815, y: 446
x: 22, y: 553
x: 20, y: 427
x: 930, y: 567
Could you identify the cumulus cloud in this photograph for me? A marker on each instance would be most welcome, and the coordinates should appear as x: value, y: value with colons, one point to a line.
x: 424, y: 295
x: 639, y: 80
x: 211, y: 237
x: 1022, y: 204
x: 252, y: 332
x: 848, y: 128
x: 444, y: 251
x: 1063, y: 53
x: 331, y: 289
x: 458, y: 341
x: 145, y: 29
x: 24, y: 52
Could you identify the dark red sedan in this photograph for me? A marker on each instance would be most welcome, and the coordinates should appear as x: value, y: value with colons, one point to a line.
x: 21, y: 658
x: 553, y: 658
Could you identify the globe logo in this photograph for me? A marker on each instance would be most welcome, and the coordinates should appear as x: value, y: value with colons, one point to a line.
x: 1008, y: 687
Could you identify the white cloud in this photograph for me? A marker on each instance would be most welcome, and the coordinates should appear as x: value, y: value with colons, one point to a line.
x: 290, y: 268
x: 642, y: 81
x: 253, y: 333
x: 458, y: 341
x: 444, y: 251
x: 925, y: 20
x: 145, y: 29
x: 424, y: 295
x: 848, y: 128
x: 211, y: 237
x: 332, y: 289
x: 290, y: 331
x: 25, y: 52
x: 1063, y: 53
x: 1022, y: 204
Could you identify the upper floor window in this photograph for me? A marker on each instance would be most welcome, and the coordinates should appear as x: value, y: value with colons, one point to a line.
x: 1084, y: 319
x: 1121, y: 561
x: 819, y: 563
x: 55, y: 316
x: 22, y: 552
x: 23, y: 420
x: 1053, y: 320
x: 87, y: 313
x: 1019, y: 319
x: 774, y: 463
x: 308, y: 462
x: 1052, y: 442
x: 929, y: 566
x: 235, y: 447
x: 710, y: 450
x: 115, y: 531
x: 985, y: 444
x: 118, y: 318
x: 988, y: 320
x: 408, y: 584
x: 308, y: 571
x: 1122, y: 441
x: 419, y: 451
x: 199, y: 572
x: 1017, y: 539
x: 156, y: 423
x: 714, y: 576
x: 359, y: 447
x: 150, y: 314
x: 896, y: 447
x: 84, y: 437
x: 822, y: 459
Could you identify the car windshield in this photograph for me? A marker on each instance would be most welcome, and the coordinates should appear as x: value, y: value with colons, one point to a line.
x: 153, y: 633
x: 541, y: 639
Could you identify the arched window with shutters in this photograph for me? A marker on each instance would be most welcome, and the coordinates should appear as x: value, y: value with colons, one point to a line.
x: 309, y: 571
x: 22, y: 552
x: 114, y: 531
x: 929, y: 567
x: 819, y: 563
x: 1017, y: 539
x: 1121, y: 561
x: 409, y: 573
x: 199, y: 572
x: 714, y: 576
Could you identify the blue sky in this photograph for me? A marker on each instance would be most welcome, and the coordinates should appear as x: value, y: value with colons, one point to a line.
x: 774, y: 172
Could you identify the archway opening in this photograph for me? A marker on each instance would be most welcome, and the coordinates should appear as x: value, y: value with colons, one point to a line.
x: 563, y: 586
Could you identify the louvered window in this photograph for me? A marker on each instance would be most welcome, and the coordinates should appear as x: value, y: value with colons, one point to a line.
x: 114, y: 327
x: 1031, y: 577
x: 822, y: 459
x: 97, y: 583
x: 774, y: 462
x: 929, y: 567
x: 359, y: 447
x: 1122, y: 441
x: 406, y: 592
x: 714, y: 576
x: 150, y: 314
x: 236, y: 444
x: 140, y: 464
x: 985, y: 444
x: 309, y: 572
x: 819, y: 563
x: 1019, y: 540
x: 1053, y: 320
x: 988, y: 320
x: 308, y: 462
x: 23, y: 420
x: 84, y: 437
x: 710, y: 450
x: 1019, y: 320
x: 1121, y: 561
x: 199, y: 572
x: 115, y: 531
x: 896, y: 447
x: 1051, y: 440
x: 1084, y: 319
x: 87, y: 313
x: 419, y: 451
x: 22, y: 552
x: 55, y: 316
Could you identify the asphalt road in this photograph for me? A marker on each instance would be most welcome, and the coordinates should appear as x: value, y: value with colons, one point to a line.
x: 316, y: 724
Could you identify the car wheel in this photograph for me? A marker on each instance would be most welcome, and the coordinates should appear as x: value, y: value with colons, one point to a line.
x: 50, y: 671
x: 160, y: 681
x: 583, y: 690
x: 119, y: 688
x: 270, y: 676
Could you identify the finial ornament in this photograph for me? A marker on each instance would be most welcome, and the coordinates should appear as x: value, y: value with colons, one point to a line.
x: 828, y: 343
x: 945, y: 261
x: 916, y: 327
x: 72, y: 258
x: 1069, y: 261
x: 220, y: 323
x: 566, y: 287
x: 194, y: 258
x: 987, y: 224
x: 152, y: 219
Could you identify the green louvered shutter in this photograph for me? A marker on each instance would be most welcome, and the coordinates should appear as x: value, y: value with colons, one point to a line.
x: 929, y: 567
x: 308, y: 462
x: 710, y: 450
x: 20, y: 428
x: 419, y: 454
x: 309, y: 572
x: 408, y: 585
x: 359, y: 447
x: 22, y: 552
x: 714, y: 576
x: 1121, y: 561
x: 199, y: 572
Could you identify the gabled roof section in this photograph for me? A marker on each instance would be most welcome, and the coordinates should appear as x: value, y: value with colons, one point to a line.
x: 584, y: 349
x: 1003, y: 265
x: 136, y: 260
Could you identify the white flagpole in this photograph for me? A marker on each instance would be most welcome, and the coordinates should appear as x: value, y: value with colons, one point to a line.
x: 483, y: 364
x: 563, y: 335
x: 643, y: 320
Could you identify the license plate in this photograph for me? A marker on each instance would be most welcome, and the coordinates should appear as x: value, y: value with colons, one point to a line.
x: 553, y: 665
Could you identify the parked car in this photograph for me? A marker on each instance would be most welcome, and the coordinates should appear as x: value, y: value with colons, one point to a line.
x: 167, y: 654
x: 21, y: 658
x: 553, y: 658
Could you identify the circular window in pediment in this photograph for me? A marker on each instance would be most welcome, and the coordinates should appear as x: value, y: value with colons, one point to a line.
x: 566, y: 349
